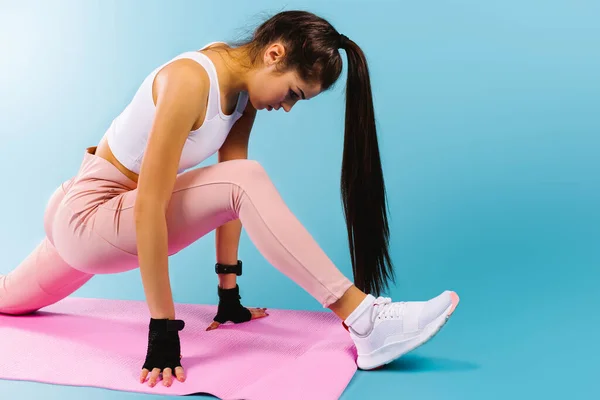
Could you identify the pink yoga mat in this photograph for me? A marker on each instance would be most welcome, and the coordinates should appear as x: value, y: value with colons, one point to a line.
x: 102, y: 343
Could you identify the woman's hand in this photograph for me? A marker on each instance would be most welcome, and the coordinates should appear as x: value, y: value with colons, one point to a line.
x: 164, y: 352
x: 230, y: 309
x: 254, y: 314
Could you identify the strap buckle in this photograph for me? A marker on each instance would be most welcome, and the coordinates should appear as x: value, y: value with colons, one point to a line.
x: 229, y: 269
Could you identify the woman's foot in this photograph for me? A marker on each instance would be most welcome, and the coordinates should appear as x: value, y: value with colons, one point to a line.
x: 384, y: 331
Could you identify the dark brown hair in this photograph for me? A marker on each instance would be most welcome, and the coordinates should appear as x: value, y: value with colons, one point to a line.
x: 312, y: 50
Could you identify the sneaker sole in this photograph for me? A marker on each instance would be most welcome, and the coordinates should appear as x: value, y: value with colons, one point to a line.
x: 393, y: 351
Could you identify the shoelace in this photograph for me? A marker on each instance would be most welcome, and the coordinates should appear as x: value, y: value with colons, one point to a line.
x: 384, y: 308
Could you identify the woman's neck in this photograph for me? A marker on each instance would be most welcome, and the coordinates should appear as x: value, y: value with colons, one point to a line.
x: 233, y: 77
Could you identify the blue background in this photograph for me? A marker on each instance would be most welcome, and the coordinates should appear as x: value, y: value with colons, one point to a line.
x: 489, y: 123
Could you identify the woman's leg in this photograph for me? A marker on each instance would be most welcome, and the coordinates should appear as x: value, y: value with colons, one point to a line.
x: 92, y: 231
x: 43, y: 278
x: 96, y: 232
x: 206, y: 198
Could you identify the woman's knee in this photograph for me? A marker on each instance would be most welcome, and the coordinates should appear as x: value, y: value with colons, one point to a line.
x: 248, y: 172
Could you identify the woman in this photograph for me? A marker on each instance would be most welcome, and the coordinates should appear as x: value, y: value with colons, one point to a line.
x: 132, y: 202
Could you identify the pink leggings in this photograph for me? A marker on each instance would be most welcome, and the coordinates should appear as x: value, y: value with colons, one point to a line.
x: 90, y: 230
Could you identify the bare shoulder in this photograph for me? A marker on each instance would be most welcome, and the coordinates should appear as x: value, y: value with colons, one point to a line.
x: 183, y: 75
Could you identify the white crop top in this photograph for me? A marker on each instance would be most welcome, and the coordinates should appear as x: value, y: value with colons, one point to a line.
x: 128, y: 133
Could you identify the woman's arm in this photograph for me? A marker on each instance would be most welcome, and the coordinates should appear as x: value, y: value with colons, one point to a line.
x: 236, y: 145
x: 227, y: 238
x: 180, y: 93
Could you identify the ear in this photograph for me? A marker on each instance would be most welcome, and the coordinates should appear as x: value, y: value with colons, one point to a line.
x: 274, y: 54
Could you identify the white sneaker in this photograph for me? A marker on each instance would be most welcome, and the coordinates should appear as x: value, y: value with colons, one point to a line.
x: 394, y: 329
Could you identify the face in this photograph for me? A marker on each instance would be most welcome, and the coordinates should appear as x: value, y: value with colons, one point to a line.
x: 271, y: 89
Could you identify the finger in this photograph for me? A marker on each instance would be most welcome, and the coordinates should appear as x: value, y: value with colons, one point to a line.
x: 212, y: 326
x: 257, y: 308
x: 167, y: 377
x: 154, y: 376
x: 258, y: 314
x: 180, y: 374
x: 143, y: 375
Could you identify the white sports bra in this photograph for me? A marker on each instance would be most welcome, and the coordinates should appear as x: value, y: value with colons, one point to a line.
x: 128, y: 133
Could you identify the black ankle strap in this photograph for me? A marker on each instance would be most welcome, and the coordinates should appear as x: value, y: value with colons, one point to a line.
x: 229, y: 269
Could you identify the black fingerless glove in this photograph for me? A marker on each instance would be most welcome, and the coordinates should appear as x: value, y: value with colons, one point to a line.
x: 230, y: 308
x: 164, y: 348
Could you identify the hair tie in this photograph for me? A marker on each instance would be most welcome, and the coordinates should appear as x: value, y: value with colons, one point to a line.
x: 343, y: 41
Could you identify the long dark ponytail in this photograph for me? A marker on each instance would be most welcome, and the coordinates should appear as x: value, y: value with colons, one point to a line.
x: 312, y: 49
x: 362, y: 183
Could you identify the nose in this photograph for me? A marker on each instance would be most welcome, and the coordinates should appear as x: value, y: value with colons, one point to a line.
x: 287, y: 108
